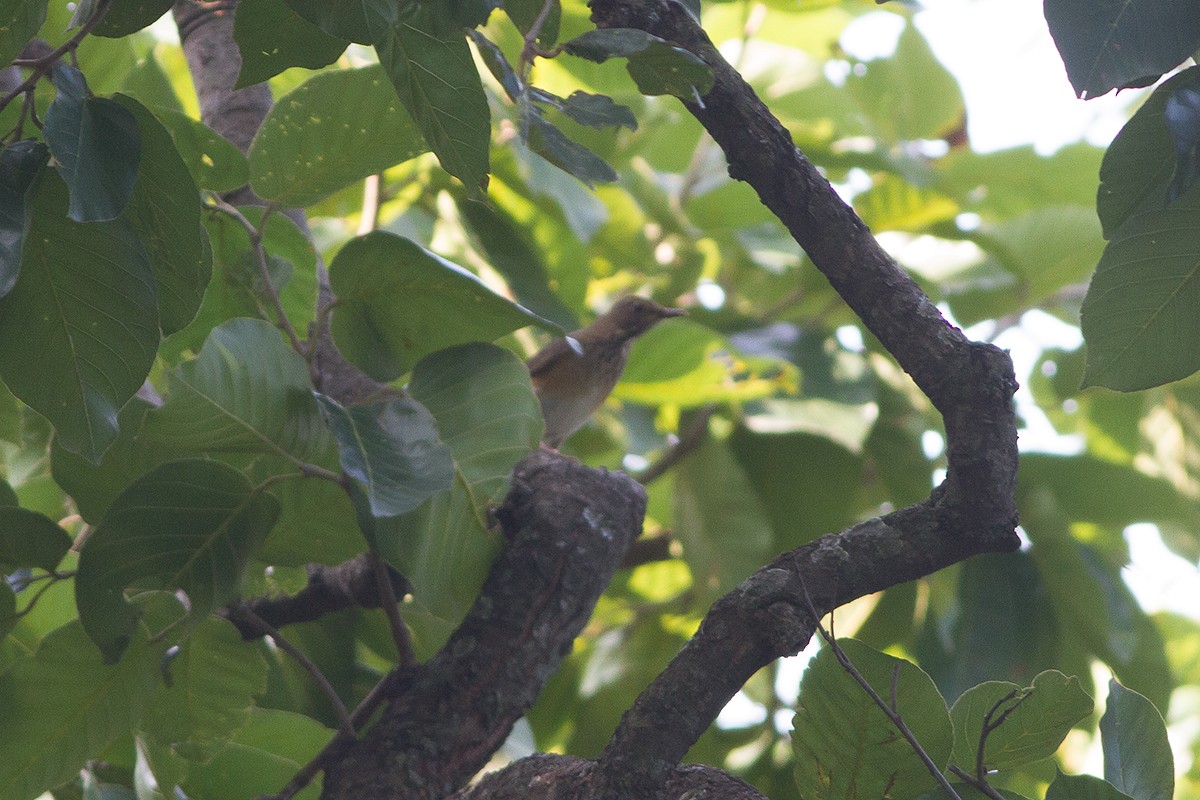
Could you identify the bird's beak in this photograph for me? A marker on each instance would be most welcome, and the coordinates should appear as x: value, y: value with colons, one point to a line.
x: 673, y: 312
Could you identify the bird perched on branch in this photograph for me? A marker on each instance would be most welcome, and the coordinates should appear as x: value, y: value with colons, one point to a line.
x: 572, y: 376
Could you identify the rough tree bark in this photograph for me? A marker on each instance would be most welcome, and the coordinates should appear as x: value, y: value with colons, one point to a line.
x: 569, y: 526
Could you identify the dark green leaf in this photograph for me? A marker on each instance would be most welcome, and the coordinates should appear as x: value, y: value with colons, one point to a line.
x: 130, y: 16
x: 437, y: 81
x: 362, y: 21
x: 497, y: 64
x: 214, y: 162
x: 486, y: 412
x: 62, y: 706
x: 20, y: 164
x: 30, y: 539
x: 392, y: 448
x: 1137, y: 755
x: 247, y: 392
x: 306, y: 149
x: 524, y: 14
x: 97, y: 145
x: 846, y: 747
x: 1183, y: 120
x: 1039, y: 718
x: 663, y: 69
x: 1113, y: 45
x: 186, y: 525
x: 214, y: 680
x: 398, y: 302
x: 604, y: 43
x: 1138, y: 165
x: 8, y: 497
x: 272, y: 37
x: 593, y: 110
x: 164, y: 210
x: 1138, y: 314
x: 86, y: 319
x: 8, y: 609
x: 1082, y: 787
x: 19, y: 21
x: 553, y: 145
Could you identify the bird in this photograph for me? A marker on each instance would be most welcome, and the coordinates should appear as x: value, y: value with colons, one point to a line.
x: 572, y: 376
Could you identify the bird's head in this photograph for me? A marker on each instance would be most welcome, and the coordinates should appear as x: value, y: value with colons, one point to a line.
x: 632, y: 316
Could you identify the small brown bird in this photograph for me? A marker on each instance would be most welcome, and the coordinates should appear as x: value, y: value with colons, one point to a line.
x: 572, y: 376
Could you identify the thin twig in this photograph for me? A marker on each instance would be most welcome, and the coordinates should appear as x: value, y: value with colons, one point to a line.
x: 976, y: 783
x: 43, y: 65
x: 255, y: 233
x: 387, y: 596
x: 891, y: 713
x: 989, y: 726
x: 531, y: 50
x: 688, y: 441
x: 242, y: 611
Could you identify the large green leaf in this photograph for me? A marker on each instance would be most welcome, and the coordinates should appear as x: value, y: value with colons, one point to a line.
x: 214, y: 162
x: 214, y: 680
x: 362, y: 21
x: 81, y: 324
x: 398, y: 302
x: 20, y: 164
x: 262, y: 757
x: 164, y: 210
x: 97, y: 145
x: 272, y: 37
x: 247, y: 392
x: 186, y: 525
x: 62, y: 706
x: 1082, y: 787
x: 305, y: 150
x: 30, y: 539
x: 19, y: 21
x: 1137, y: 755
x: 846, y: 747
x: 437, y: 81
x: 1113, y: 45
x: 1038, y: 719
x: 722, y: 525
x: 486, y: 412
x: 129, y: 16
x: 393, y: 449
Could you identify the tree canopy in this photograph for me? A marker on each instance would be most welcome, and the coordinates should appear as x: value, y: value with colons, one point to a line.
x: 274, y: 516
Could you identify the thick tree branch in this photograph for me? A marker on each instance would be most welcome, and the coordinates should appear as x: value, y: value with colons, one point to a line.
x: 568, y: 526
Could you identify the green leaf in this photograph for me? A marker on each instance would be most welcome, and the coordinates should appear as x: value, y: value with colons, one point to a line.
x: 214, y: 680
x: 8, y: 609
x: 213, y: 161
x: 317, y: 525
x: 604, y: 43
x: 263, y: 756
x: 20, y: 164
x: 130, y: 16
x: 362, y: 21
x: 663, y: 69
x: 845, y: 747
x: 508, y: 249
x: 1039, y: 718
x: 1138, y: 165
x: 593, y: 110
x: 1138, y: 313
x: 393, y: 449
x: 7, y: 496
x: 271, y: 37
x: 1082, y: 787
x: 688, y: 364
x: 247, y: 392
x: 164, y: 210
x: 550, y: 143
x: 1137, y: 755
x: 1117, y: 45
x: 722, y: 525
x: 397, y: 302
x: 85, y: 315
x: 30, y: 539
x: 186, y: 525
x: 19, y: 21
x: 97, y: 145
x: 306, y: 150
x: 437, y: 81
x: 486, y: 411
x: 62, y: 706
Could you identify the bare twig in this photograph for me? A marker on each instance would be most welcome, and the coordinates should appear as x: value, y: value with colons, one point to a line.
x: 689, y: 440
x: 387, y: 598
x: 243, y: 614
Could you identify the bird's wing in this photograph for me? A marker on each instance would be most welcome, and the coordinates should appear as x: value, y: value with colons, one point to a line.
x: 553, y: 354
